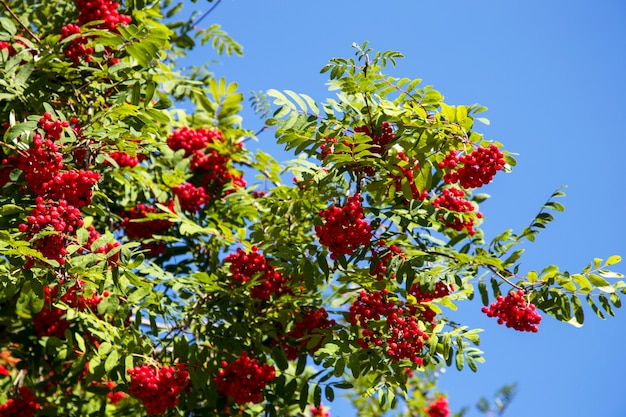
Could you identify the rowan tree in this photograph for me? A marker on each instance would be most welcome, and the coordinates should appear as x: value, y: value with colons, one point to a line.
x: 152, y: 265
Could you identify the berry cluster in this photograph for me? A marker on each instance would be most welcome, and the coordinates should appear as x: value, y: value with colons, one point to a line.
x: 479, y: 167
x: 438, y: 408
x: 344, y: 229
x: 77, y: 49
x: 408, y: 173
x: 49, y: 321
x: 382, y: 141
x: 73, y: 186
x: 401, y: 336
x: 10, y: 49
x: 57, y: 217
x: 158, y: 388
x: 94, y: 235
x: 89, y: 11
x: 40, y: 163
x: 379, y: 269
x: 106, y: 10
x: 122, y: 159
x: 190, y: 197
x: 141, y: 230
x: 246, y: 266
x: 114, y: 396
x: 244, y: 379
x: 515, y: 312
x: 453, y: 199
x: 310, y: 326
x: 423, y: 296
x: 210, y: 168
x: 192, y: 140
x: 24, y: 406
x: 59, y: 194
x: 319, y: 411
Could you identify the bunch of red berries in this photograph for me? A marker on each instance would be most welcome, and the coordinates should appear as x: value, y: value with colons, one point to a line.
x: 10, y: 49
x: 438, y: 407
x: 407, y: 172
x: 106, y: 10
x: 382, y: 141
x: 209, y: 167
x: 479, y: 167
x: 158, y: 387
x: 426, y: 313
x: 141, y: 230
x: 25, y: 405
x: 40, y: 163
x: 244, y: 379
x: 319, y: 411
x: 57, y: 217
x: 515, y: 312
x: 73, y: 186
x: 453, y: 199
x: 114, y: 396
x: 192, y: 140
x: 122, y: 159
x: 344, y: 229
x: 401, y: 338
x: 310, y: 325
x: 379, y: 269
x: 77, y: 48
x: 245, y: 266
x: 94, y: 235
x: 49, y: 321
x: 190, y: 197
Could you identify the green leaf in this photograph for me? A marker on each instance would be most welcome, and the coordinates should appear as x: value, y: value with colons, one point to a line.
x: 329, y: 393
x: 484, y: 295
x: 613, y: 260
x: 8, y: 25
x: 80, y: 342
x: 111, y: 360
x: 600, y: 283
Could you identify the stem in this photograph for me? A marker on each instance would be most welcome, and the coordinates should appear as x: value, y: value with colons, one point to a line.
x: 208, y: 12
x: 505, y: 279
x: 18, y: 20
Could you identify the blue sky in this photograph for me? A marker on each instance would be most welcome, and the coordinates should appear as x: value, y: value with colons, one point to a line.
x: 552, y: 75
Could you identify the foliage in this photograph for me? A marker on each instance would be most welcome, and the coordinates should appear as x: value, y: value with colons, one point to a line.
x: 138, y: 263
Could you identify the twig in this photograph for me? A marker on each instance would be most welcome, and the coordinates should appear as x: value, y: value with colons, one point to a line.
x: 12, y: 13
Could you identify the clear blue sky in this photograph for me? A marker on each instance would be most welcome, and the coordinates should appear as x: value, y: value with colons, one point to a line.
x: 553, y: 76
